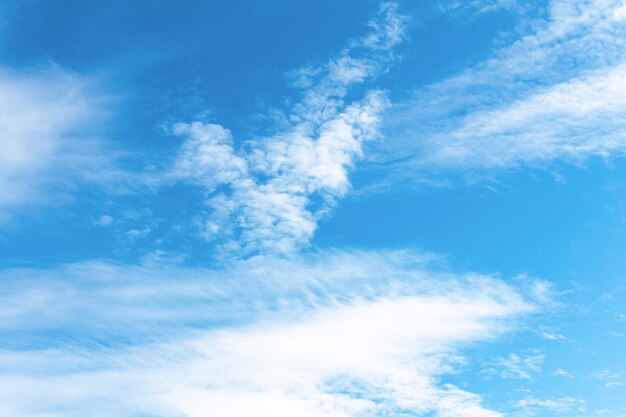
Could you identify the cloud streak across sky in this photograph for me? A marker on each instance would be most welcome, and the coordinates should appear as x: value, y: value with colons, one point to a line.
x: 375, y: 335
x: 555, y: 93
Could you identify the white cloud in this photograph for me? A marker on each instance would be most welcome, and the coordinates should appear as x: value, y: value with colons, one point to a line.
x: 620, y: 13
x: 104, y: 220
x: 553, y: 336
x: 610, y: 379
x: 347, y: 334
x: 523, y: 366
x: 558, y: 405
x: 138, y: 233
x: 476, y: 7
x: 556, y: 92
x: 387, y: 32
x: 47, y: 120
x: 563, y: 373
x: 574, y: 120
x: 613, y: 384
x: 269, y: 197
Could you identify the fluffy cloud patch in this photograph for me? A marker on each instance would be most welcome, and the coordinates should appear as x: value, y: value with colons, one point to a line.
x: 269, y: 197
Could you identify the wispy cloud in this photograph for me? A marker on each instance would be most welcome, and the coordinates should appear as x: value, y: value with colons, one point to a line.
x: 552, y: 336
x: 481, y: 6
x: 48, y: 124
x: 333, y: 333
x: 572, y: 120
x: 557, y: 92
x: 519, y: 366
x: 558, y: 405
x: 268, y: 195
x: 562, y: 372
x: 610, y: 379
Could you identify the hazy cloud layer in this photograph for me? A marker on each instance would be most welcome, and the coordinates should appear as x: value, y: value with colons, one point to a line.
x: 48, y: 124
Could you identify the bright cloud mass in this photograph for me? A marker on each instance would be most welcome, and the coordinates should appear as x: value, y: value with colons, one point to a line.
x: 346, y: 344
x: 316, y: 208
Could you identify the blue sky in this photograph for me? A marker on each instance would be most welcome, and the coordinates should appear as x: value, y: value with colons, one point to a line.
x: 312, y: 208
